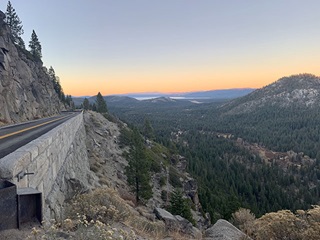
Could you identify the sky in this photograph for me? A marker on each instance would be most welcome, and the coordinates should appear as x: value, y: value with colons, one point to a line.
x: 170, y: 46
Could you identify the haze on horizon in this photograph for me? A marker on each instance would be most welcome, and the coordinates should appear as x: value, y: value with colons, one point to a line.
x: 118, y: 47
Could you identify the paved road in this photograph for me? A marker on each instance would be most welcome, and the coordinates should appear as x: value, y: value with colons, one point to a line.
x: 15, y: 136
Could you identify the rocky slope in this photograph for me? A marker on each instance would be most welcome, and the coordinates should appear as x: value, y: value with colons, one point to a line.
x: 26, y: 92
x: 302, y: 90
x: 108, y: 162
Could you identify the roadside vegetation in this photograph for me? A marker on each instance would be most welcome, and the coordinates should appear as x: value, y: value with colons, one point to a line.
x: 283, y: 224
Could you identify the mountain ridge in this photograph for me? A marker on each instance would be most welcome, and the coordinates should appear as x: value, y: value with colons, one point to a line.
x: 196, y: 95
x: 301, y: 90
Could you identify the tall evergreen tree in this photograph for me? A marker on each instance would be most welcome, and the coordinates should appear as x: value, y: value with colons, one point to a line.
x: 15, y: 25
x: 56, y: 83
x: 101, y: 104
x: 52, y: 74
x: 138, y: 169
x: 21, y: 43
x: 93, y: 107
x: 35, y: 46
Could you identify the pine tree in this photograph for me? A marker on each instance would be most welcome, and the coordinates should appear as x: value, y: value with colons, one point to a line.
x: 93, y: 107
x: 56, y: 82
x: 15, y: 25
x: 52, y: 74
x: 35, y: 46
x: 148, y: 130
x: 86, y: 104
x: 21, y: 43
x: 138, y: 169
x: 180, y: 206
x: 101, y: 104
x: 69, y: 100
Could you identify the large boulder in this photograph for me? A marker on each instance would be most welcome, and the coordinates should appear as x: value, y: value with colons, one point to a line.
x: 170, y: 220
x: 223, y: 230
x: 186, y: 227
x: 177, y: 223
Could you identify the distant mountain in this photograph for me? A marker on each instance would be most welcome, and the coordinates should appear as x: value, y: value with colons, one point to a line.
x: 301, y: 90
x: 201, y: 96
x: 212, y: 94
x: 78, y: 100
x: 220, y: 94
x: 121, y: 101
x: 160, y: 100
x: 116, y: 98
x: 144, y: 95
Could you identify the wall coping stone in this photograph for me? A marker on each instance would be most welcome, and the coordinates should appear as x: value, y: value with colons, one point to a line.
x: 17, y: 161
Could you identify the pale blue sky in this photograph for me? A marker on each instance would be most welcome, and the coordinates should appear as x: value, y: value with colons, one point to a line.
x: 172, y: 45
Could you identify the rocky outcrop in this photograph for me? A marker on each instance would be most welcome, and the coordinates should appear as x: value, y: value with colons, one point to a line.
x: 104, y: 153
x: 177, y: 223
x: 223, y: 230
x: 26, y: 92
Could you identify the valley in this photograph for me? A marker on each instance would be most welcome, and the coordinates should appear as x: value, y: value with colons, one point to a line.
x: 237, y: 162
x: 265, y: 157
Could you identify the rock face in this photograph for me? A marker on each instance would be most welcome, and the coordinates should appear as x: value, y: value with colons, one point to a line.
x: 26, y: 92
x: 105, y: 156
x: 223, y: 230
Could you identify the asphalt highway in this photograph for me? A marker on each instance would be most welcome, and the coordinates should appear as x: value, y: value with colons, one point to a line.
x: 15, y: 136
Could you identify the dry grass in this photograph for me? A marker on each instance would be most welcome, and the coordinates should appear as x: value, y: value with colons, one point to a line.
x: 102, y: 204
x: 127, y: 196
x: 103, y: 214
x: 146, y: 228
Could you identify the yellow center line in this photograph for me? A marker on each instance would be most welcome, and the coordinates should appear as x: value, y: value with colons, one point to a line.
x: 26, y: 129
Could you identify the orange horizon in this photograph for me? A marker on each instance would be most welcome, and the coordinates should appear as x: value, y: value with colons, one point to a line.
x: 249, y: 71
x: 86, y: 88
x: 157, y: 92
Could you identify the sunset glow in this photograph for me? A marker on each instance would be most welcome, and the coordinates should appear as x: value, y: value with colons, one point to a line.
x: 117, y: 47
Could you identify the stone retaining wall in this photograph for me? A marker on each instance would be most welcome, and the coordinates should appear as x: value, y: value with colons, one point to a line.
x: 56, y: 162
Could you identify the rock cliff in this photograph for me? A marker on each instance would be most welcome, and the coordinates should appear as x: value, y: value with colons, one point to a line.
x: 26, y: 92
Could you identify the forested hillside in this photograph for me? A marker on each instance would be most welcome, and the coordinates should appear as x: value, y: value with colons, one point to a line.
x: 281, y: 117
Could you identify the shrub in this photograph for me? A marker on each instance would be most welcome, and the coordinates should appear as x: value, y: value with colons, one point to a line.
x: 286, y: 225
x: 102, y: 204
x: 243, y: 219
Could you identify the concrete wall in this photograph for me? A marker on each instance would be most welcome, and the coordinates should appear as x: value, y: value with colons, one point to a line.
x: 58, y: 163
